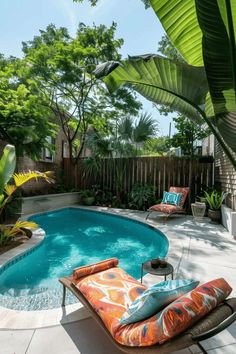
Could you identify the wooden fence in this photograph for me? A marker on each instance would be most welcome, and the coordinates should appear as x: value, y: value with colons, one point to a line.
x: 160, y: 172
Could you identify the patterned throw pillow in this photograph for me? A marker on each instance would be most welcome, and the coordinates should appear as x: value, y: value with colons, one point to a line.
x: 171, y: 198
x: 155, y: 298
x: 94, y: 268
x: 189, y: 308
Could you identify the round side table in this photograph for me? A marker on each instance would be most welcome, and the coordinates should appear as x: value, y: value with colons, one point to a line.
x: 147, y: 268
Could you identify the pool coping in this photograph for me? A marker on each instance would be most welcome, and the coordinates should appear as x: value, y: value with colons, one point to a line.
x: 15, y: 319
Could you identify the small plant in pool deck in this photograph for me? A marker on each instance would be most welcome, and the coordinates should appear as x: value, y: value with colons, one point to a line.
x: 215, y: 199
x: 88, y: 196
x: 142, y: 196
x: 9, y: 183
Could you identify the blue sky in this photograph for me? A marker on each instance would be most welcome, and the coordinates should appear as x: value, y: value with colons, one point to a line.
x: 20, y: 20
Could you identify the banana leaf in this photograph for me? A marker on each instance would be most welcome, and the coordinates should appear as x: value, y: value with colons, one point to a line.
x: 204, y: 32
x: 160, y: 80
x: 7, y: 166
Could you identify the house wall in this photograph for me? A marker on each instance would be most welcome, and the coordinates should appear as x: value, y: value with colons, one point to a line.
x: 208, y: 146
x: 225, y: 175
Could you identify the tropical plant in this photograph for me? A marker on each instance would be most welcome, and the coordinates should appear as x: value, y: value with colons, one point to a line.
x: 87, y: 193
x: 142, y: 196
x: 203, y: 88
x: 215, y: 199
x: 7, y: 189
x: 7, y: 233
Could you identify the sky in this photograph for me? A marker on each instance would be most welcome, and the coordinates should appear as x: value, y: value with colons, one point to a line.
x: 21, y: 20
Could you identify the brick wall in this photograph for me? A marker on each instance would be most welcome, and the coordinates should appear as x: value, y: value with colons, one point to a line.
x: 225, y: 175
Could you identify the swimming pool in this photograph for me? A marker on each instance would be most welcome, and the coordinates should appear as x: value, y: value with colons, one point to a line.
x: 75, y: 237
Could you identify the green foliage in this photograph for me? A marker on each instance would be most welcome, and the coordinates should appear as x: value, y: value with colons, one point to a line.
x: 156, y: 146
x: 130, y: 134
x: 7, y: 167
x: 187, y: 134
x: 215, y: 199
x: 204, y: 33
x: 8, y: 233
x: 24, y: 119
x: 104, y: 196
x: 142, y: 196
x: 63, y: 67
x: 87, y: 193
x: 94, y: 2
x: 166, y: 48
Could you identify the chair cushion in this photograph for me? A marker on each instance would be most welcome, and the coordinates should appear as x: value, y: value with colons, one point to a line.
x: 155, y: 298
x: 183, y: 190
x: 166, y: 208
x: 112, y: 291
x: 171, y: 198
x: 94, y: 268
x: 175, y: 318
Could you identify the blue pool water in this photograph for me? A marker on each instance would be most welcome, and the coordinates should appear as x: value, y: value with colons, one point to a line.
x: 75, y: 237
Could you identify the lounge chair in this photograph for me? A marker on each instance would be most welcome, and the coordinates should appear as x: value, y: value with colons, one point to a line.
x: 169, y: 209
x: 106, y: 291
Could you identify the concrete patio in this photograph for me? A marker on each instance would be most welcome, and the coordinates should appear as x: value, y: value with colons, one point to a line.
x: 197, y: 249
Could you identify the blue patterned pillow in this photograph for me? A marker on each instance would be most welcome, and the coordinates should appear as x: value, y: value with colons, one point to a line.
x: 155, y: 298
x: 171, y: 198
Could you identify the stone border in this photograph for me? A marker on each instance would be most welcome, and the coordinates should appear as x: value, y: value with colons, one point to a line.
x: 13, y: 319
x: 15, y: 254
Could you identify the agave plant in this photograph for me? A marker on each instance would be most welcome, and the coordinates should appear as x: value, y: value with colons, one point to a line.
x: 215, y: 199
x: 204, y: 33
x: 7, y: 189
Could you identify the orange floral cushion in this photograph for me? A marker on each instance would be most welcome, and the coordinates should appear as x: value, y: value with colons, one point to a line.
x: 166, y: 208
x: 176, y: 317
x: 94, y: 268
x: 111, y: 292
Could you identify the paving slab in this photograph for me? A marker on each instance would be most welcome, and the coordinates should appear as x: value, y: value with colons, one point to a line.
x: 15, y: 342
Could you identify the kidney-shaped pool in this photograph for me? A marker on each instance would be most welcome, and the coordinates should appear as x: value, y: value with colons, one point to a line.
x: 75, y: 237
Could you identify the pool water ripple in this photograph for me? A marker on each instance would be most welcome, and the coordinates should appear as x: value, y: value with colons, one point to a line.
x: 75, y: 237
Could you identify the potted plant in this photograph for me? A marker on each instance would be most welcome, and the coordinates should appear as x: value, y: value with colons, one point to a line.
x: 88, y: 196
x: 215, y: 200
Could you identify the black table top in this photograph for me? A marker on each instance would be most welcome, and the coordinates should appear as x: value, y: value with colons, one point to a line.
x: 147, y: 267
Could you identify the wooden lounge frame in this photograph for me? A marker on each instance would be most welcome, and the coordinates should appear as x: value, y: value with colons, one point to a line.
x: 181, y: 210
x: 213, y: 323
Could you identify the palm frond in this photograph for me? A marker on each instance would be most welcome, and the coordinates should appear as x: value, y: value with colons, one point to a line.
x: 23, y: 177
x: 25, y: 224
x: 10, y: 189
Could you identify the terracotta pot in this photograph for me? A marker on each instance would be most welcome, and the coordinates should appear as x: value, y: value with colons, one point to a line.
x: 214, y: 215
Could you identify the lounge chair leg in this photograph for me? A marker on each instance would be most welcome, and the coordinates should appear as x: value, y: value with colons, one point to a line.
x: 148, y: 215
x: 63, y: 296
x: 202, y: 349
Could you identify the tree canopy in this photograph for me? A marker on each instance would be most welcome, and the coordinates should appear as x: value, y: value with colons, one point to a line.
x: 63, y: 68
x: 24, y: 118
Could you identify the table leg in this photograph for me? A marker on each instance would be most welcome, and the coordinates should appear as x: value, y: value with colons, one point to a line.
x: 142, y: 273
